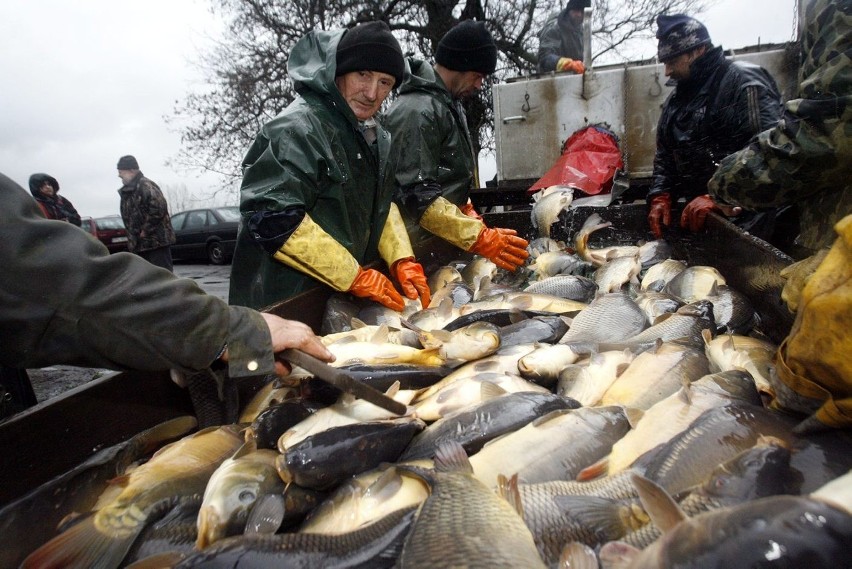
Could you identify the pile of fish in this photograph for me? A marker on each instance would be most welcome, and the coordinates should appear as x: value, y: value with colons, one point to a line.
x: 601, y: 407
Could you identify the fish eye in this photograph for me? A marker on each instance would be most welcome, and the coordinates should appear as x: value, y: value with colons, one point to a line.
x: 247, y: 496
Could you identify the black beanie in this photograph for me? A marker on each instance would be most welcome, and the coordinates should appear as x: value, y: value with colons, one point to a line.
x: 578, y: 4
x: 677, y: 34
x: 127, y: 163
x: 468, y: 47
x: 370, y: 47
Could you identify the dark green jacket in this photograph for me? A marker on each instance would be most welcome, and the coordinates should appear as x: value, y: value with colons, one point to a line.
x: 435, y: 153
x: 807, y: 158
x: 559, y: 37
x: 65, y: 300
x: 312, y: 157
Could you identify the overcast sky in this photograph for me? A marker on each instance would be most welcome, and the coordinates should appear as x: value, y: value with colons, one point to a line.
x: 87, y: 81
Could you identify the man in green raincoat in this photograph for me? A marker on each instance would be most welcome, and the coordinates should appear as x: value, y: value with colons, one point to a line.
x: 436, y: 167
x: 316, y: 191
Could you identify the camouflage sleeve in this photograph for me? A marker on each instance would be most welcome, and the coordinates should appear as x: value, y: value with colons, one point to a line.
x: 782, y: 165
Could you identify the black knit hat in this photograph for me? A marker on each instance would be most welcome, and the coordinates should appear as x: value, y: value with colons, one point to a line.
x: 578, y: 4
x: 468, y: 47
x: 128, y: 163
x: 370, y: 47
x: 679, y: 34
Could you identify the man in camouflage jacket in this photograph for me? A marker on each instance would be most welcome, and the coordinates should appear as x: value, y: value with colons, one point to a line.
x: 145, y: 214
x: 807, y: 158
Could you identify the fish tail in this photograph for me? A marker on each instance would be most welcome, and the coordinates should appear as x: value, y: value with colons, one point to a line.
x: 82, y: 546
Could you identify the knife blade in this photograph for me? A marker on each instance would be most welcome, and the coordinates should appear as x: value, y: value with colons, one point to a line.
x: 342, y: 381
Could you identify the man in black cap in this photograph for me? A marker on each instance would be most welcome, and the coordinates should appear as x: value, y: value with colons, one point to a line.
x: 716, y: 107
x: 560, y: 41
x: 436, y: 165
x: 316, y: 191
x: 145, y: 214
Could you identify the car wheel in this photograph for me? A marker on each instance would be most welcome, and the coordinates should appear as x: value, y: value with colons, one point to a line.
x: 216, y: 253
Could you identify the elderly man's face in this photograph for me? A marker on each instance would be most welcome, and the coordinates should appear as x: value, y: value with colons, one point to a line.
x: 364, y: 91
x: 678, y: 68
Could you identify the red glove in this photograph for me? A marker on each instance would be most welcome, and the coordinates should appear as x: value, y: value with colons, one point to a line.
x: 660, y: 212
x: 696, y: 211
x: 572, y: 65
x: 470, y: 211
x: 410, y: 275
x: 502, y: 247
x: 374, y: 285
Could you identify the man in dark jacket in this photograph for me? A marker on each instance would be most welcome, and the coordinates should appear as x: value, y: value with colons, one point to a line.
x: 145, y: 214
x: 560, y: 41
x: 65, y: 300
x: 436, y: 164
x: 45, y: 190
x: 316, y: 191
x: 715, y: 108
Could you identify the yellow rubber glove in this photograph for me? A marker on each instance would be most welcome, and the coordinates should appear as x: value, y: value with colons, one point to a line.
x: 444, y: 219
x: 572, y: 65
x: 311, y: 250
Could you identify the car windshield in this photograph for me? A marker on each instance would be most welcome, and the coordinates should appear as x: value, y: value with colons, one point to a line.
x: 229, y: 213
x: 109, y: 223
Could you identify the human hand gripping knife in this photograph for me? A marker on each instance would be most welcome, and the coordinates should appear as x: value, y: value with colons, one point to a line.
x: 316, y: 253
x: 501, y: 246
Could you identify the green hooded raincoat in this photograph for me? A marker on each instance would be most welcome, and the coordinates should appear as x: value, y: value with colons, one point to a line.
x: 312, y: 155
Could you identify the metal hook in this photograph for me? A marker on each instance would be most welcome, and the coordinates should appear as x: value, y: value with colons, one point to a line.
x: 526, y: 106
x: 659, y: 87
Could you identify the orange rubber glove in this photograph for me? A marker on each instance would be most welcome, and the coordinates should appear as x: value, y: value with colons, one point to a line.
x: 572, y: 65
x: 696, y: 211
x: 470, y: 211
x: 374, y: 285
x: 411, y: 278
x: 660, y: 213
x: 502, y: 247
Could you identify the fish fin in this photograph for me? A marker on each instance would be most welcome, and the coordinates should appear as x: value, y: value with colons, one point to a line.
x: 246, y: 449
x: 618, y: 555
x: 393, y: 389
x: 621, y: 368
x: 706, y: 335
x: 523, y: 301
x: 451, y: 457
x: 266, y: 516
x: 443, y: 336
x: 356, y: 323
x: 662, y: 318
x: 578, y: 555
x: 489, y: 390
x: 657, y: 285
x: 597, y: 512
x: 408, y: 324
x: 516, y: 315
x: 386, y: 485
x: 661, y: 507
x: 633, y: 416
x: 381, y: 335
x: 507, y: 488
x: 595, y: 470
x: 83, y: 545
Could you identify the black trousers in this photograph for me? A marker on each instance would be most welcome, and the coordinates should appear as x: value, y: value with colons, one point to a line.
x: 161, y: 256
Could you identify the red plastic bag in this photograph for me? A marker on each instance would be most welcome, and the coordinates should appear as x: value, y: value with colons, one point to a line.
x: 590, y: 158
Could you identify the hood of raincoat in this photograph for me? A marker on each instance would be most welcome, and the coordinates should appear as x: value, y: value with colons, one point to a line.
x: 38, y: 180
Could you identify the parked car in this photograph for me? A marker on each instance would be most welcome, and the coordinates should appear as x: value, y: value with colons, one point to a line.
x: 209, y: 233
x: 109, y: 230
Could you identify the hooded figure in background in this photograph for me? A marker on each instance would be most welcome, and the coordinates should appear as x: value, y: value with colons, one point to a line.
x: 317, y: 185
x: 45, y: 190
x: 436, y: 164
x: 560, y: 46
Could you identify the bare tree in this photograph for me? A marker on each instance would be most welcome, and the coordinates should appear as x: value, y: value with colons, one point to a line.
x: 247, y: 70
x: 179, y: 198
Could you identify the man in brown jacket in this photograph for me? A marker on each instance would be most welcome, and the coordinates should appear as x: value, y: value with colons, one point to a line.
x: 145, y: 214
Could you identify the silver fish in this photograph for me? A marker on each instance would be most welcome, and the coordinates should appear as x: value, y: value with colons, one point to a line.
x: 659, y: 275
x: 732, y: 310
x: 655, y: 304
x: 459, y: 511
x: 615, y: 273
x: 694, y: 283
x: 571, y: 286
x: 608, y: 318
x: 588, y: 383
x: 545, y: 212
x: 558, y: 263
